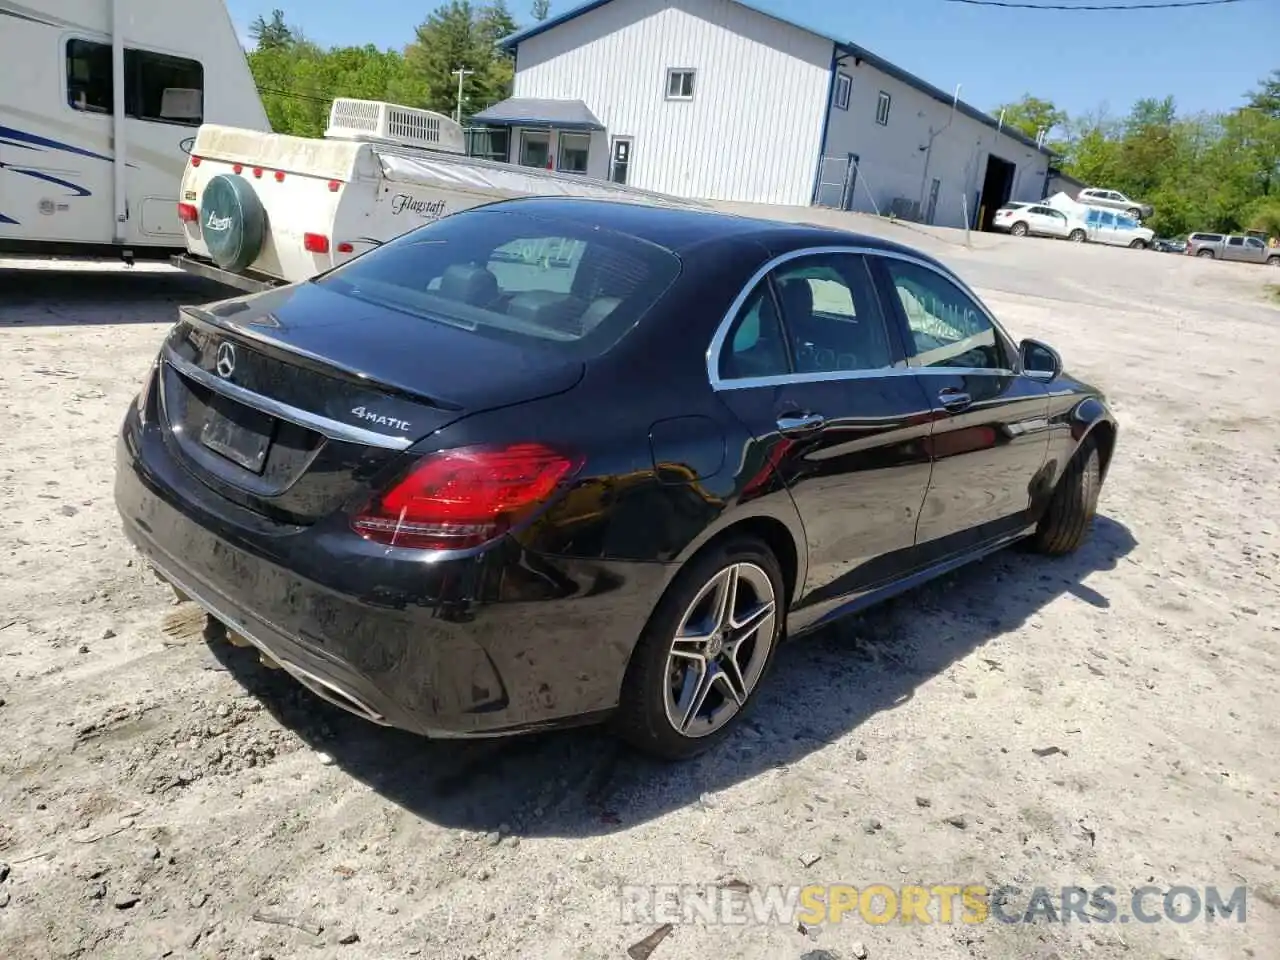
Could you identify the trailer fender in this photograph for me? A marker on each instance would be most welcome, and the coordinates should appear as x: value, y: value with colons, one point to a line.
x: 232, y: 221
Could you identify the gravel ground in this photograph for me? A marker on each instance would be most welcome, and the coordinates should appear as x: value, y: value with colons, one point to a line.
x: 160, y: 795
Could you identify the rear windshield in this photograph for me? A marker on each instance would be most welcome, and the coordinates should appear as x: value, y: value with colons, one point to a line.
x: 1207, y: 237
x: 537, y: 281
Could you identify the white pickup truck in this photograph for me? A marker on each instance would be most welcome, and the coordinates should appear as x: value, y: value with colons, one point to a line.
x: 264, y: 209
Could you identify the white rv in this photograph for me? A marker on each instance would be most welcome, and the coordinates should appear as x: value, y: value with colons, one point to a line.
x: 100, y: 101
x: 263, y: 209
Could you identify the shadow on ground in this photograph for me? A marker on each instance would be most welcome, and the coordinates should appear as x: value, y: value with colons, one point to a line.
x: 45, y: 297
x: 582, y: 782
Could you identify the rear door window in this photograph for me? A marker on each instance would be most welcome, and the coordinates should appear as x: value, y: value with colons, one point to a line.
x: 549, y: 284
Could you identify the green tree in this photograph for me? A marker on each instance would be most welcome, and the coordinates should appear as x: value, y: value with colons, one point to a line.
x: 1030, y: 115
x: 273, y: 34
x: 459, y: 36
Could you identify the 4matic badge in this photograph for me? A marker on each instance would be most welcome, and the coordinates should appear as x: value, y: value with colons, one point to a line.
x: 379, y: 419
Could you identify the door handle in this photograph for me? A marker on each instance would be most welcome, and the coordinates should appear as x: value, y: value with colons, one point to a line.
x: 801, y: 425
x: 954, y: 399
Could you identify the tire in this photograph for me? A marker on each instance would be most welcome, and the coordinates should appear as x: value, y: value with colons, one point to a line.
x: 1019, y: 229
x: 232, y: 222
x: 1138, y: 245
x: 1273, y: 261
x: 1205, y: 253
x: 649, y: 709
x: 1076, y: 236
x: 1066, y: 524
x: 1135, y: 213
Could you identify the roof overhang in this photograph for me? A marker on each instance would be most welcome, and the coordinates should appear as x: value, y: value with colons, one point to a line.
x: 526, y: 112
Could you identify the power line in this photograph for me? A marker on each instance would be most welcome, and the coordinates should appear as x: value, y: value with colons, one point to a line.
x: 295, y: 96
x: 1159, y: 5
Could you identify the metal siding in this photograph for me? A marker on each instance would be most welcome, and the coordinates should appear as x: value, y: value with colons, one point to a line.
x: 752, y: 131
x: 892, y: 163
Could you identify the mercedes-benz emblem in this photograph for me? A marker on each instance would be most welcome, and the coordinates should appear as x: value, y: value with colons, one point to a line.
x: 226, y: 363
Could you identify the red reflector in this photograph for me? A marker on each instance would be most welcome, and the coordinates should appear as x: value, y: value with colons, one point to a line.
x: 195, y: 161
x: 462, y: 498
x: 187, y: 213
x: 257, y: 171
x: 279, y: 176
x: 237, y: 168
x: 345, y: 247
x: 315, y: 242
x: 335, y: 186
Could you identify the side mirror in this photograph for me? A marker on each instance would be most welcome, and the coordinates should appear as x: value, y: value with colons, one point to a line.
x: 1040, y: 360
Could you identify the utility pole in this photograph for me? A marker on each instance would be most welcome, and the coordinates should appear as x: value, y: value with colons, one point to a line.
x: 461, y: 73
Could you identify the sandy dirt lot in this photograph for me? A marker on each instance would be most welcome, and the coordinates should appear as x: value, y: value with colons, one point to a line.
x: 164, y: 796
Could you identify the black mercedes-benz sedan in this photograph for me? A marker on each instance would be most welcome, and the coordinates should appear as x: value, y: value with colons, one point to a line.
x: 552, y: 461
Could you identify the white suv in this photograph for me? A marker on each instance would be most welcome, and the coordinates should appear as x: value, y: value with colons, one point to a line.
x: 1114, y: 199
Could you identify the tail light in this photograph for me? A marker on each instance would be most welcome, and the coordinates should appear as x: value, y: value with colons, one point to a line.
x: 187, y: 213
x: 315, y: 243
x: 461, y: 498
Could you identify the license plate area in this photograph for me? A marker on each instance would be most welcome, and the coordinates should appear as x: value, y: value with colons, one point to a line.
x: 238, y: 433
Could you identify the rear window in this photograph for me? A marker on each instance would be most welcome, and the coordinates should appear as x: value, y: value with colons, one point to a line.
x: 1207, y: 237
x: 538, y: 281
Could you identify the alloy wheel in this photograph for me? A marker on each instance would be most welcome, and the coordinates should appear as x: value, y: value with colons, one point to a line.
x: 720, y: 649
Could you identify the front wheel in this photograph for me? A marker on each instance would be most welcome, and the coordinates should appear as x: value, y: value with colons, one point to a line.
x: 1065, y: 525
x: 704, y: 652
x: 1139, y: 245
x: 1135, y: 213
x: 1205, y: 253
x: 1076, y: 236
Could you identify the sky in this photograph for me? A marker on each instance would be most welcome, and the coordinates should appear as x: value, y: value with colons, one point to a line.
x: 1208, y: 58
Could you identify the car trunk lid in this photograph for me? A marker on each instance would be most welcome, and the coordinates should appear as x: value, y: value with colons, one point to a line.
x: 295, y: 401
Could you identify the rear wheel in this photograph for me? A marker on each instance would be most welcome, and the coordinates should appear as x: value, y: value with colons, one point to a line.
x: 1019, y: 229
x: 1076, y: 236
x: 1139, y: 245
x: 704, y: 652
x: 1273, y: 261
x: 1135, y: 213
x: 1065, y: 525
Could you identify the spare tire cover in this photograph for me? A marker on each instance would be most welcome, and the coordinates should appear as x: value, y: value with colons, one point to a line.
x: 231, y: 221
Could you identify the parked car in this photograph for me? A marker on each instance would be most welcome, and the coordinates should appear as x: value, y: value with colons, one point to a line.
x: 1169, y: 245
x: 1031, y: 219
x: 1114, y: 200
x: 1104, y: 226
x: 467, y: 496
x: 1246, y: 249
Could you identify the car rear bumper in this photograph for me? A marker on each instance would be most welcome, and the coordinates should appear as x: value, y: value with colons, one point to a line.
x: 500, y: 643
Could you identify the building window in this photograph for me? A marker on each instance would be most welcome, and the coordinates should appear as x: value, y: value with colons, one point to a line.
x: 680, y: 83
x: 574, y: 148
x: 535, y: 148
x: 491, y: 143
x: 157, y: 87
x: 882, y: 109
x: 844, y: 87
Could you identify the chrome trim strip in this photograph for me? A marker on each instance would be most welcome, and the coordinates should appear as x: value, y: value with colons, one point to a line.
x: 333, y: 429
x: 722, y: 330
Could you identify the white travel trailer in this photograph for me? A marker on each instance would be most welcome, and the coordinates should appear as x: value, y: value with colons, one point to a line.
x: 264, y: 209
x: 100, y: 101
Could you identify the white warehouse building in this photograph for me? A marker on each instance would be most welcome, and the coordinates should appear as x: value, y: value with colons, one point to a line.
x: 719, y: 100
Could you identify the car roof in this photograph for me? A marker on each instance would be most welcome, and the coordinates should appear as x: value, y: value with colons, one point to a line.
x: 682, y: 229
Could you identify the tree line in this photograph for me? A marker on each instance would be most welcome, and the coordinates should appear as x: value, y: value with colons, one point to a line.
x: 1206, y: 171
x: 298, y: 79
